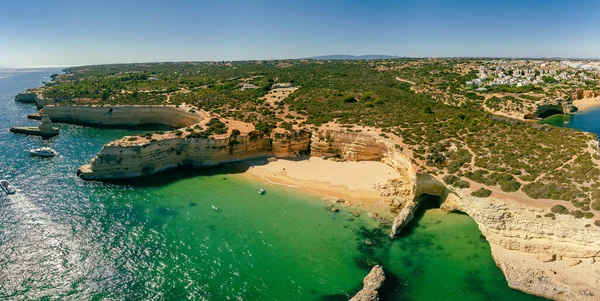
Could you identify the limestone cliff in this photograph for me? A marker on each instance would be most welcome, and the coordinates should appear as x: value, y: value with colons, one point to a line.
x: 119, y: 160
x: 520, y: 238
x: 29, y: 96
x: 125, y: 116
x: 547, y: 107
x: 553, y: 258
x: 580, y: 94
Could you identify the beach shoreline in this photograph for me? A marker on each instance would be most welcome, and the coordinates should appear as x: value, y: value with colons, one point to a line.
x: 348, y: 183
x: 585, y: 104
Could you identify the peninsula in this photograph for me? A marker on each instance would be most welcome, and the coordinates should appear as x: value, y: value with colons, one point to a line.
x: 463, y: 130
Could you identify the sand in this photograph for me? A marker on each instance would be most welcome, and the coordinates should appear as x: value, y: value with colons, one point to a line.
x: 353, y: 182
x: 586, y: 103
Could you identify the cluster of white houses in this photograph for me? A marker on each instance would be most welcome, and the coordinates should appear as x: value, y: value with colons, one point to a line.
x: 524, y: 74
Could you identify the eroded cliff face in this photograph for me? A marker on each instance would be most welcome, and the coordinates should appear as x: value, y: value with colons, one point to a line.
x: 557, y: 258
x: 126, y: 116
x: 30, y: 96
x: 552, y: 258
x: 549, y: 107
x: 580, y: 94
x: 118, y: 160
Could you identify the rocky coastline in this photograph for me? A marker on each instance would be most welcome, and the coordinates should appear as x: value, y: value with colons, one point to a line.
x: 556, y: 258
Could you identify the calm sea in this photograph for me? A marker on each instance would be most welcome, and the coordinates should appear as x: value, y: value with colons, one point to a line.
x: 62, y: 238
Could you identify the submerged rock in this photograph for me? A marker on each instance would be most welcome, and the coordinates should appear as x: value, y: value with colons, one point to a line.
x: 372, y: 283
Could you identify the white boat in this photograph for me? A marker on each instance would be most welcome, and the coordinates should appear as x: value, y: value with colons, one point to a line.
x: 43, y: 152
x: 215, y: 207
x: 261, y: 191
x: 9, y: 189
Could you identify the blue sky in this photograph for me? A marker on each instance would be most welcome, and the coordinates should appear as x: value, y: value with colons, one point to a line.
x: 65, y: 32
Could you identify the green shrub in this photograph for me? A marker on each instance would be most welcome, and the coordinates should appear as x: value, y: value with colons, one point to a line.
x: 510, y: 186
x: 559, y: 209
x: 577, y: 213
x: 481, y: 193
x: 456, y: 181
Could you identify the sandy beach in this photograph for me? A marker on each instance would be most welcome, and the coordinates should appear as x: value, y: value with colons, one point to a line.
x: 586, y: 103
x: 353, y: 182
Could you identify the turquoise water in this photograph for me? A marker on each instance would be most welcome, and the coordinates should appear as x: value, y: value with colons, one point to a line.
x: 588, y: 120
x: 159, y: 239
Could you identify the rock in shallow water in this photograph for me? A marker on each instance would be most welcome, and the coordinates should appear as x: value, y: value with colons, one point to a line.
x: 372, y: 283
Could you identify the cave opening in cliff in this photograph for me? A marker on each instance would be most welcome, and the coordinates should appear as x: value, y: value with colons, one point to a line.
x: 426, y: 202
x: 549, y: 112
x: 429, y: 201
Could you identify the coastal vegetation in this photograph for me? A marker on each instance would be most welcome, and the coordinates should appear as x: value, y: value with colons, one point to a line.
x: 446, y: 126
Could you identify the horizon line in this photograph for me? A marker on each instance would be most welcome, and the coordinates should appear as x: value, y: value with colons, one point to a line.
x: 303, y: 58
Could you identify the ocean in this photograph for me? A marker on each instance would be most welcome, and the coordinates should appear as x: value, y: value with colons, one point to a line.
x: 62, y: 238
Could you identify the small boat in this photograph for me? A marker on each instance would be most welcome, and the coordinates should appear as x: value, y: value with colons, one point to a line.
x: 215, y: 207
x: 43, y: 152
x: 9, y: 189
x: 261, y: 191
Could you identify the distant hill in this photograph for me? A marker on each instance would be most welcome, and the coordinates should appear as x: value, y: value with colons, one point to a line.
x: 353, y: 57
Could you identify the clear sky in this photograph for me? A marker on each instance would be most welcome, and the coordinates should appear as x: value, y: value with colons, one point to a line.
x: 75, y: 32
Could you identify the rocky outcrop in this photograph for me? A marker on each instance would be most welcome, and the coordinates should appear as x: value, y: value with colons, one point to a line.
x: 549, y: 107
x: 45, y: 129
x: 372, y: 284
x: 581, y: 94
x: 348, y: 145
x: 536, y: 254
x: 29, y: 96
x: 553, y: 258
x: 118, y: 160
x: 122, y: 116
x: 520, y: 237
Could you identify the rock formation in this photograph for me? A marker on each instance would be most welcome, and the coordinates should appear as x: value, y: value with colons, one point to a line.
x: 45, y: 129
x: 118, y: 160
x: 372, y: 283
x: 549, y: 107
x: 520, y: 240
x: 123, y: 116
x: 27, y: 97
x: 580, y: 94
x: 518, y: 237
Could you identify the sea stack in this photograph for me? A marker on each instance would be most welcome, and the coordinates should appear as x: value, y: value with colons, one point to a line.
x: 372, y: 283
x: 45, y: 129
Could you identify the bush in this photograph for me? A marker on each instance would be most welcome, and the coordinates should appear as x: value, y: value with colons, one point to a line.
x: 577, y: 213
x: 456, y: 181
x: 132, y: 138
x: 560, y: 209
x: 510, y: 186
x: 481, y: 193
x: 286, y: 125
